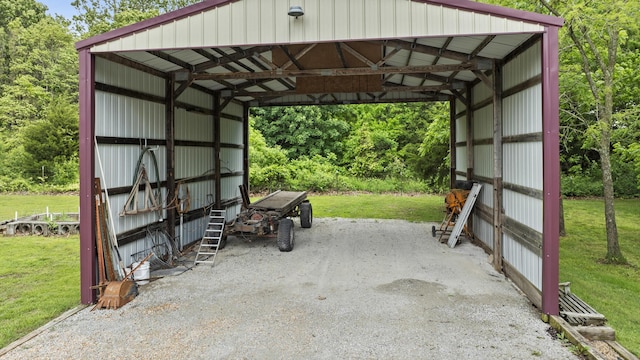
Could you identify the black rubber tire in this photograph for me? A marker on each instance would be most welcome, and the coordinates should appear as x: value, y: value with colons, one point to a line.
x: 285, y: 235
x: 306, y: 215
x: 223, y: 242
x: 433, y: 231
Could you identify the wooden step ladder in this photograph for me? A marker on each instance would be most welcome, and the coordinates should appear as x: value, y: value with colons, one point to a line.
x: 211, y: 238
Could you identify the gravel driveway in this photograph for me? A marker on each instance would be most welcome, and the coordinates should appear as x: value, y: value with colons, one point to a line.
x: 350, y: 289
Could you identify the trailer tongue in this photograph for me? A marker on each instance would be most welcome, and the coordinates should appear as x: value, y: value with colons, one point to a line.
x: 270, y: 217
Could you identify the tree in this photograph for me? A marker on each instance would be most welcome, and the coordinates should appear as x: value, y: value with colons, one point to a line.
x: 595, y: 30
x: 303, y: 130
x: 41, y: 64
x: 99, y: 16
x: 434, y: 149
x: 51, y: 143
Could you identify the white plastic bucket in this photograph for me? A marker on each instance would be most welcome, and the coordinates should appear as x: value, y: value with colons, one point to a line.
x: 141, y: 275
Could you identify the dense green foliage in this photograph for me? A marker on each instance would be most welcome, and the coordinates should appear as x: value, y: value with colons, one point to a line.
x: 381, y: 147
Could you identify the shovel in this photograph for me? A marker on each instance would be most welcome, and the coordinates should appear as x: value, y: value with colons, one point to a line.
x: 118, y: 293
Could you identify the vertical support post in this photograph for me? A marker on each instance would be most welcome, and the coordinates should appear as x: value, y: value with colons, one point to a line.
x: 497, y: 166
x: 170, y: 119
x: 245, y: 149
x: 217, y: 113
x: 88, y: 259
x: 452, y: 142
x: 469, y: 119
x: 470, y: 150
x: 551, y: 172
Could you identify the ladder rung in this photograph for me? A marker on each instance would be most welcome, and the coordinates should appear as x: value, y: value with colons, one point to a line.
x: 209, y: 245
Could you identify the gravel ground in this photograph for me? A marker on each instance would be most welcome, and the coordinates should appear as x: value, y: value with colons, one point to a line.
x: 350, y: 289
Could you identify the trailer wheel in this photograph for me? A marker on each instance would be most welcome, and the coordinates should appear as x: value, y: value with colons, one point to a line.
x: 223, y: 242
x: 285, y: 235
x: 433, y: 231
x: 306, y: 215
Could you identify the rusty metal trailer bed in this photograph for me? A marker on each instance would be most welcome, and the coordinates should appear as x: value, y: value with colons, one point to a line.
x: 271, y: 216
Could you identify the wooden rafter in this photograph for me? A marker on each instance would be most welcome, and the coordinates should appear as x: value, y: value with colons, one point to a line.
x: 388, y: 56
x: 413, y: 46
x: 275, y: 74
x: 294, y: 59
x: 435, y: 51
x: 286, y: 82
x: 358, y: 56
x: 214, y: 61
x: 172, y: 59
x: 386, y: 89
x: 235, y: 62
x: 341, y: 55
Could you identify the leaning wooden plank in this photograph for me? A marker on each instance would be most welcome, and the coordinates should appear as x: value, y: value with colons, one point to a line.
x: 464, y: 215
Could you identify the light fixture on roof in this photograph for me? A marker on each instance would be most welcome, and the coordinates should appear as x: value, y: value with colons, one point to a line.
x: 295, y: 11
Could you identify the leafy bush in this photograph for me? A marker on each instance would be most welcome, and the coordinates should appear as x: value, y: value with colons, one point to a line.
x: 580, y: 186
x: 15, y: 184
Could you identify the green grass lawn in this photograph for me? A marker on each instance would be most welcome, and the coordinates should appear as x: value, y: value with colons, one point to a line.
x: 27, y: 205
x: 612, y: 290
x: 39, y: 277
x: 428, y: 208
x: 39, y: 280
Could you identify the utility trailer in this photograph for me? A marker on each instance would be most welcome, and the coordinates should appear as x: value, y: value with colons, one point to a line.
x: 270, y: 217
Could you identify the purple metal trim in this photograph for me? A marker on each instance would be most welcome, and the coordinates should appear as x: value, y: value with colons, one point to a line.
x: 551, y: 172
x: 87, y: 130
x: 153, y: 22
x: 526, y: 16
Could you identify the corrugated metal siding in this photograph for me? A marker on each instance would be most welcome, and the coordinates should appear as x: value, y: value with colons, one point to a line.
x: 483, y: 160
x: 231, y: 131
x: 111, y: 73
x: 197, y: 98
x: 266, y: 22
x: 483, y: 231
x: 124, y: 117
x: 524, y: 209
x: 481, y: 92
x: 522, y: 112
x: 461, y: 159
x: 527, y: 263
x: 523, y: 67
x: 193, y: 126
x: 483, y: 123
x: 523, y: 162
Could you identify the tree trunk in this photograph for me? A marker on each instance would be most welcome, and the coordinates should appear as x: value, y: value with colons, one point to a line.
x: 614, y: 255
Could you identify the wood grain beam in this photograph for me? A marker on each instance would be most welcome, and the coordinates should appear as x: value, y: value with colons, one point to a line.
x: 278, y: 74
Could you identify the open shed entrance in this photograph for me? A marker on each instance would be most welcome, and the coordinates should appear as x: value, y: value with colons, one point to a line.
x: 182, y: 84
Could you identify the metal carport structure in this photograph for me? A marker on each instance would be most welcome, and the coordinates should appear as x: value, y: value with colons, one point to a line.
x: 180, y: 85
